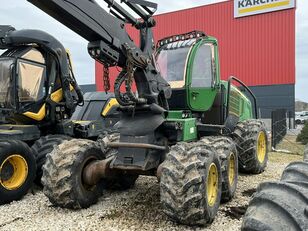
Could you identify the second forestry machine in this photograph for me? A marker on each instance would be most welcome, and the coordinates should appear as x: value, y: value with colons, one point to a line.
x: 184, y: 124
x: 41, y: 105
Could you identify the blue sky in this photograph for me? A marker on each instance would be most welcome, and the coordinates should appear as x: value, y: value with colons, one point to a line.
x: 22, y: 15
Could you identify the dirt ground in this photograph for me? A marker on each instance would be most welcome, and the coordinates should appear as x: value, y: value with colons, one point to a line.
x: 139, y: 208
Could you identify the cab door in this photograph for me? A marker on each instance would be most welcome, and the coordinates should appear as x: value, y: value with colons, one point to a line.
x: 202, y: 79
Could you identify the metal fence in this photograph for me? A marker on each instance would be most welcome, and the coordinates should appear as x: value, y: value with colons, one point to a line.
x: 279, y: 126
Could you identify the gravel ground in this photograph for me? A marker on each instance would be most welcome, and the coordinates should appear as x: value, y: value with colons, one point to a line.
x: 136, y: 209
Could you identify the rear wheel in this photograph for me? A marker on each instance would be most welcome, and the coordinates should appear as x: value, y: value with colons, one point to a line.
x: 227, y: 154
x: 42, y: 147
x: 251, y: 140
x: 17, y: 170
x: 190, y: 183
x: 62, y: 174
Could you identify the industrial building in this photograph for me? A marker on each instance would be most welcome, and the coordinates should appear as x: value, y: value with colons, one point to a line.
x: 258, y: 46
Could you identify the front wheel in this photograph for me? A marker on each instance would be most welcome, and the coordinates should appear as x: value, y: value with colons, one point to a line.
x: 190, y: 184
x: 63, y: 171
x: 227, y: 153
x: 17, y: 170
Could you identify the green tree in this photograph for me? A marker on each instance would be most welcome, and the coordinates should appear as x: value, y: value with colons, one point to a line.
x: 303, y: 136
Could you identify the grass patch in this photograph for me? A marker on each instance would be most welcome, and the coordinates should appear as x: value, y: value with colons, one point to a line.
x: 282, y: 158
x: 289, y: 143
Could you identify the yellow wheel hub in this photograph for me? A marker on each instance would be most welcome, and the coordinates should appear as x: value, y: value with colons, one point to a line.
x: 212, y: 185
x: 231, y: 169
x: 13, y: 172
x: 261, y: 147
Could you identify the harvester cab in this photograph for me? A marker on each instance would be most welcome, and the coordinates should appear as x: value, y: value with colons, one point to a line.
x: 186, y: 126
x: 190, y: 64
x: 187, y: 62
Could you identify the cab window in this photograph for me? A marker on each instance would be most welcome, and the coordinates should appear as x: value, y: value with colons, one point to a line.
x: 202, y: 71
x: 31, y: 81
x: 5, y: 78
x: 172, y: 63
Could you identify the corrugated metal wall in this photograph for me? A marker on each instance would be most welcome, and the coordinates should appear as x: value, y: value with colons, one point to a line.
x: 260, y: 49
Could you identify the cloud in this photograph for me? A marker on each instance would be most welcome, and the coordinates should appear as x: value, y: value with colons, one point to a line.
x: 302, y: 79
x: 179, y: 5
x: 23, y: 15
x: 301, y: 50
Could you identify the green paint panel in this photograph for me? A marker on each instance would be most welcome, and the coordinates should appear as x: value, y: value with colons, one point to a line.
x: 175, y: 114
x: 240, y: 105
x: 202, y: 98
x: 189, y: 128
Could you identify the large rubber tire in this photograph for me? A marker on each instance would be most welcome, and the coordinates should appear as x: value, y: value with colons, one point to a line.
x: 62, y: 174
x: 17, y: 170
x: 251, y: 141
x: 121, y: 181
x: 278, y: 206
x: 42, y: 147
x: 296, y: 172
x: 184, y: 192
x: 227, y: 153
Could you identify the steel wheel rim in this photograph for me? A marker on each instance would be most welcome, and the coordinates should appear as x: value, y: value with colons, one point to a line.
x: 19, y: 174
x: 261, y: 147
x: 212, y: 185
x: 231, y: 169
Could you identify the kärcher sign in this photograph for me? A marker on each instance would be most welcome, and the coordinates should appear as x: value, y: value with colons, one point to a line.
x: 252, y: 7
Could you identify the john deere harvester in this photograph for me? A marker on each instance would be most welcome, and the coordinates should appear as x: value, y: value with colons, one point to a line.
x: 185, y: 126
x: 38, y: 96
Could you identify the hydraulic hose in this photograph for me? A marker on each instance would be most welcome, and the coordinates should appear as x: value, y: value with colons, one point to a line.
x: 127, y: 98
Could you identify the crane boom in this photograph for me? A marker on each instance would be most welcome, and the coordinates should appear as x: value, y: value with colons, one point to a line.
x: 90, y: 21
x: 110, y: 44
